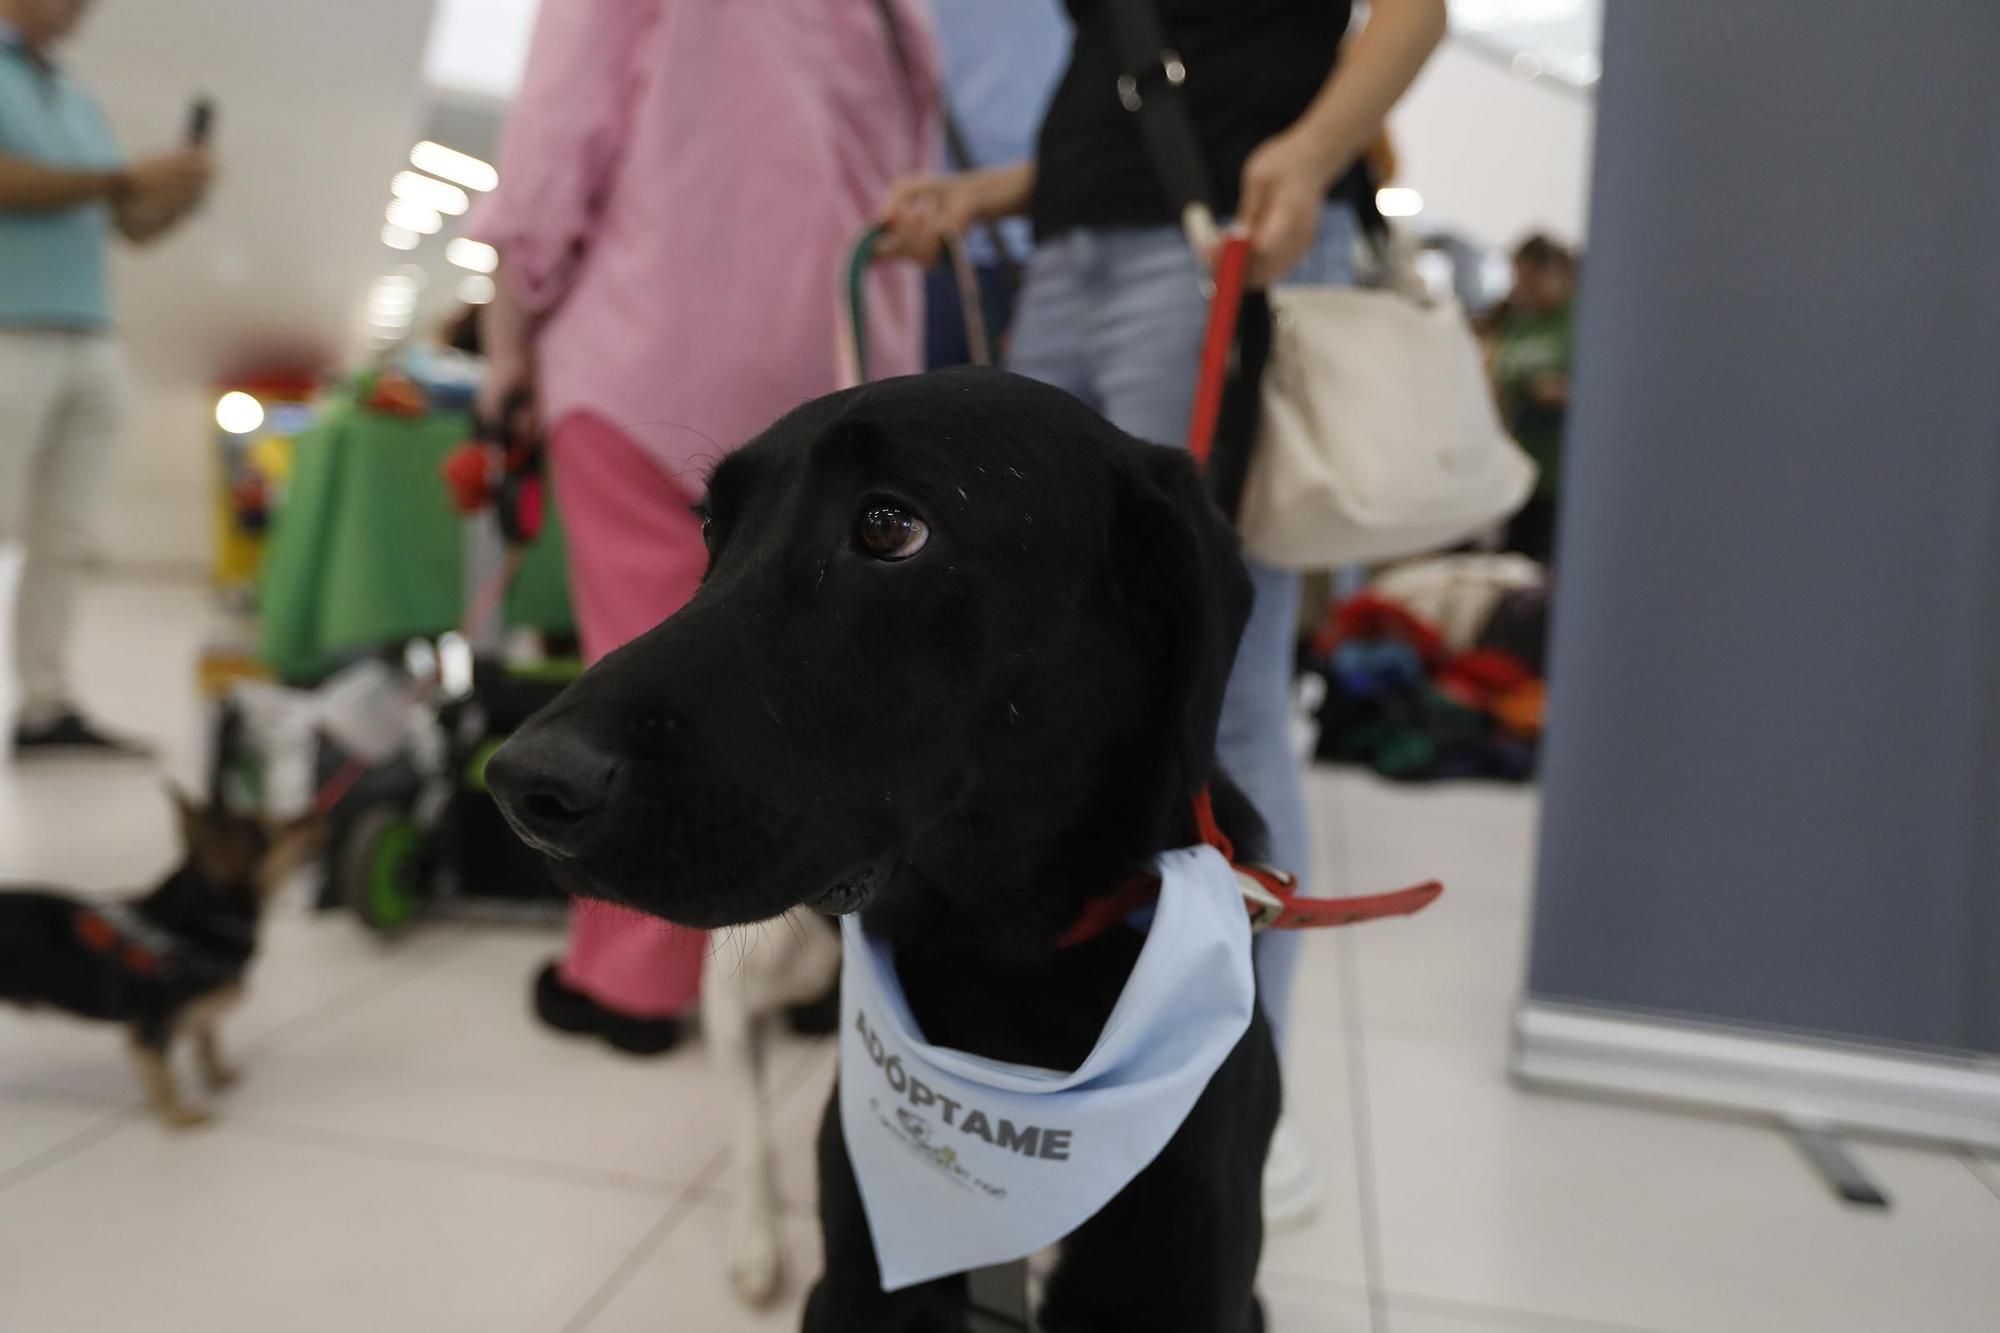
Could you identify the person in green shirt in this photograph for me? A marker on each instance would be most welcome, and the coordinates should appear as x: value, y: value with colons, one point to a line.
x: 64, y: 188
x: 1530, y: 340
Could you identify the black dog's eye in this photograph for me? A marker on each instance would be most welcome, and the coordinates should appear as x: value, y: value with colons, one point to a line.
x: 888, y: 533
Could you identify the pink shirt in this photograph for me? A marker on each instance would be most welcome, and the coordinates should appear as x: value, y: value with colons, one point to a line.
x: 679, y: 184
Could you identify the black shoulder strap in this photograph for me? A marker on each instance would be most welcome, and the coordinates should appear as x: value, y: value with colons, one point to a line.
x: 1149, y: 86
x: 1151, y: 89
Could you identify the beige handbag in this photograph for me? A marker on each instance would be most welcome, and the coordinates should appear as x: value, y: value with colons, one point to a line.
x: 1377, y: 434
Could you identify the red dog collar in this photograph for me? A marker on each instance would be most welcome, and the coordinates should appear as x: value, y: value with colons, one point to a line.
x: 1270, y: 895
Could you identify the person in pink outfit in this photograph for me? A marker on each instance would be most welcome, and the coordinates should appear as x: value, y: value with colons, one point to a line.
x: 679, y: 183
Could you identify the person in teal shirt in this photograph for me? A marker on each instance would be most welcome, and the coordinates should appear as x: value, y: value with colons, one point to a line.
x: 64, y: 188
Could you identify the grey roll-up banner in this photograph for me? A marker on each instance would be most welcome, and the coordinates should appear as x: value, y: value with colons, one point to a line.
x: 1772, y: 776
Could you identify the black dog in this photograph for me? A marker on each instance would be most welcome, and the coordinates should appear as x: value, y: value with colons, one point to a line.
x: 166, y: 964
x: 957, y: 663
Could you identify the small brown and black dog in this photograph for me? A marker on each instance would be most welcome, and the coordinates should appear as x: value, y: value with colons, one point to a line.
x: 166, y: 964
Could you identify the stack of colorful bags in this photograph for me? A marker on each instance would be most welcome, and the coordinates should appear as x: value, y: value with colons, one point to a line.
x: 1413, y: 704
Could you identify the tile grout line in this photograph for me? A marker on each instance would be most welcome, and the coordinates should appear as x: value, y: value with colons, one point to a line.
x: 802, y: 1069
x: 388, y: 1148
x: 1348, y: 958
x: 698, y: 1191
x: 350, y: 999
x: 1379, y: 1293
x: 656, y: 1235
x: 97, y: 1131
x: 1529, y: 1321
x: 88, y: 1137
x: 1980, y: 1173
x: 1364, y: 1138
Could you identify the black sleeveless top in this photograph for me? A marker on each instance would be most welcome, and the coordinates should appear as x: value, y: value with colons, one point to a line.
x: 1253, y: 67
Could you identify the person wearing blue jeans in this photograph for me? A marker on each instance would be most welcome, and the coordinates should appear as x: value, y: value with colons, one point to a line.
x: 1116, y: 318
x: 1001, y: 63
x: 1112, y: 309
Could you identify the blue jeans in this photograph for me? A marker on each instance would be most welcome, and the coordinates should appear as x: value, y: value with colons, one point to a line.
x: 1115, y: 316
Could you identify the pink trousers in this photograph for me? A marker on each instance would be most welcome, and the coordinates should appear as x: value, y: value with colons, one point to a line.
x: 635, y: 558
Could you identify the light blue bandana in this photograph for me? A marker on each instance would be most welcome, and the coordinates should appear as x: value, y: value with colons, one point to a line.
x: 965, y: 1162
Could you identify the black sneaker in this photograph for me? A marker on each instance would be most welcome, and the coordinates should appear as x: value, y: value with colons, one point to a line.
x: 568, y: 1010
x: 816, y: 1018
x: 68, y: 732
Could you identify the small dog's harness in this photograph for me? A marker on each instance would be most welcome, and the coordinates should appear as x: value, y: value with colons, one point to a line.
x: 1271, y: 895
x: 137, y: 946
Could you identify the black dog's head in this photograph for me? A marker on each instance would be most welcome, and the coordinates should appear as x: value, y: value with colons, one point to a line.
x: 960, y: 650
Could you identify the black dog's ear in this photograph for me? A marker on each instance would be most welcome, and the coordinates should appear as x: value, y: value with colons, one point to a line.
x: 188, y: 814
x: 1180, y: 562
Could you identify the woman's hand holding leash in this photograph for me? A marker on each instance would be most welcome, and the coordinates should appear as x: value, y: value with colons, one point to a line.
x: 921, y: 212
x: 1285, y: 182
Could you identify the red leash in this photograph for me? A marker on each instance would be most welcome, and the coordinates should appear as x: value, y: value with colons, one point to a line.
x: 1270, y: 895
x: 1232, y: 265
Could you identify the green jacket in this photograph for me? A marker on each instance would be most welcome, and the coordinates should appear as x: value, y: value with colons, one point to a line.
x: 1532, y: 345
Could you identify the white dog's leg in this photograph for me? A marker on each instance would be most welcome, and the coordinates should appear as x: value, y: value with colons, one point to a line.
x: 816, y: 958
x: 731, y: 998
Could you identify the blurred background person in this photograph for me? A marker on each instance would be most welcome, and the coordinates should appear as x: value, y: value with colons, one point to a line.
x: 64, y: 188
x: 1529, y: 339
x: 680, y: 183
x: 1001, y: 63
x: 1113, y: 311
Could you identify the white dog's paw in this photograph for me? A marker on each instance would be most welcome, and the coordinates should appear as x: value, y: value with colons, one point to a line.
x: 757, y: 1267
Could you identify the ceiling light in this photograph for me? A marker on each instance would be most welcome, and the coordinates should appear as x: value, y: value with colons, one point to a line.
x: 477, y: 289
x: 470, y: 254
x: 429, y: 192
x: 417, y: 217
x: 1399, y: 201
x: 400, y: 238
x: 392, y: 302
x: 238, y: 413
x: 459, y: 168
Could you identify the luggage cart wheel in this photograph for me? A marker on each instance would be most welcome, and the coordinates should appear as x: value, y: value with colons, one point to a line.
x: 382, y: 868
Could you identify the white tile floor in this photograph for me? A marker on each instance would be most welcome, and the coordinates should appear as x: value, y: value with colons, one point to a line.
x: 408, y: 1152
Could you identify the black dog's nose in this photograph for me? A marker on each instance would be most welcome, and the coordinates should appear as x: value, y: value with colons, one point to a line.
x: 552, y: 787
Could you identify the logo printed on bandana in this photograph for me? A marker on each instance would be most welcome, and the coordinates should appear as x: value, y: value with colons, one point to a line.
x: 1046, y: 1143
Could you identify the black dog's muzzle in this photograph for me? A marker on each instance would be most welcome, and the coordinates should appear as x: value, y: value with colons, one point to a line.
x: 554, y: 787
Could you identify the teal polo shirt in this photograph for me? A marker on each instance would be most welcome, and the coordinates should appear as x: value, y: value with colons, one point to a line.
x: 53, y: 262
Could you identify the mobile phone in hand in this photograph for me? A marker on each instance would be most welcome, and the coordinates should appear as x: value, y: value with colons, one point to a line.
x: 201, y: 121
